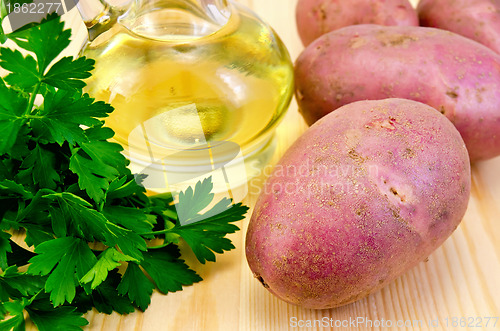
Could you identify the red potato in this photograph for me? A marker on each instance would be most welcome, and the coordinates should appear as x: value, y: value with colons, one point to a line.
x: 456, y: 75
x: 365, y: 194
x: 475, y: 19
x: 317, y: 17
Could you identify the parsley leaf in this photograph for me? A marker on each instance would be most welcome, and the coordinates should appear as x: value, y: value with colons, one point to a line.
x: 15, y: 284
x: 191, y: 202
x: 131, y: 218
x: 57, y: 319
x: 208, y: 235
x: 136, y: 286
x: 11, y: 188
x: 47, y: 40
x: 94, y: 162
x: 9, y: 131
x: 13, y: 103
x: 63, y: 112
x: 37, y: 234
x: 74, y: 215
x: 168, y: 271
x: 41, y: 164
x: 73, y: 258
x: 24, y: 72
x: 108, y: 260
x: 16, y: 320
x: 11, y: 107
x: 4, y: 249
x: 67, y: 73
x: 205, y: 233
x: 105, y: 298
x: 123, y: 187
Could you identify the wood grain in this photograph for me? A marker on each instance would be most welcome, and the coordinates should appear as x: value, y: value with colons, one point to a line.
x: 460, y: 279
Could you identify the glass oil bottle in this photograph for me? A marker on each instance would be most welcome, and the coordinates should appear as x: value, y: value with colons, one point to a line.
x: 197, y: 86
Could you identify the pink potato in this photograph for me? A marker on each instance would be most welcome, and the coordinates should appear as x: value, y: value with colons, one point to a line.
x: 475, y: 19
x: 365, y: 194
x: 317, y: 17
x: 455, y: 75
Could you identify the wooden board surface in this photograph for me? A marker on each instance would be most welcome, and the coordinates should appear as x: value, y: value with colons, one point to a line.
x: 460, y: 280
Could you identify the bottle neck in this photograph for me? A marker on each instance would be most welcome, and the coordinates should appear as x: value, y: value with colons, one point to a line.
x: 202, y: 5
x: 98, y: 16
x: 176, y: 19
x: 92, y: 11
x: 159, y: 19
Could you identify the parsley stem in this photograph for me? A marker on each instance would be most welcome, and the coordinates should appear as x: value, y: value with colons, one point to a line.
x: 33, y: 95
x: 3, y: 37
x: 30, y: 301
x: 100, y: 206
x: 153, y: 233
x: 160, y: 246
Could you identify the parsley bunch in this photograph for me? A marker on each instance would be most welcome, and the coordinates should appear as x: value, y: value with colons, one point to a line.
x: 69, y: 189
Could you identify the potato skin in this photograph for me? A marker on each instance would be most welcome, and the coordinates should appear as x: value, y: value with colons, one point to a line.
x: 475, y: 19
x: 317, y: 17
x: 456, y: 75
x: 365, y: 194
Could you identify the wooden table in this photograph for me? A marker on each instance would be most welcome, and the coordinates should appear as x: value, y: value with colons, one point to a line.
x: 460, y: 279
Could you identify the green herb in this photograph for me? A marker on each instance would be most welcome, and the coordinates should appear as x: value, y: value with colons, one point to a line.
x: 68, y: 188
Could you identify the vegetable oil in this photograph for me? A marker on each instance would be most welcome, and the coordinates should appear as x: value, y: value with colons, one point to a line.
x: 193, y: 84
